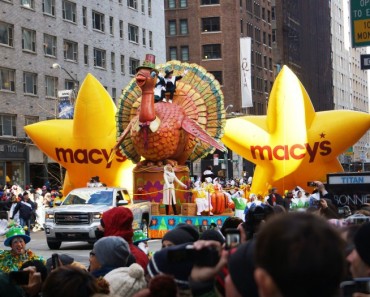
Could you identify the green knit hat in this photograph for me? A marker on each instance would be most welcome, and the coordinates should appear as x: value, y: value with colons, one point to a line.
x: 139, y: 236
x: 14, y: 232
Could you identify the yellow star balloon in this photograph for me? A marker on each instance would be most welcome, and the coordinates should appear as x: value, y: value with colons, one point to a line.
x: 83, y: 145
x: 293, y: 144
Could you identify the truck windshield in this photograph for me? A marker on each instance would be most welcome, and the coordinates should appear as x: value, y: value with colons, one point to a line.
x: 96, y: 198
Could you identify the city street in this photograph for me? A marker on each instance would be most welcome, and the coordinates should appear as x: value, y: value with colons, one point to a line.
x: 78, y: 250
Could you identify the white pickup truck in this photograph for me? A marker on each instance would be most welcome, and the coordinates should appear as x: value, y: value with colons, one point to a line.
x: 78, y: 216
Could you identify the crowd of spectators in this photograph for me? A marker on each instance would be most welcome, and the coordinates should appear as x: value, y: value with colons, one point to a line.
x: 274, y: 251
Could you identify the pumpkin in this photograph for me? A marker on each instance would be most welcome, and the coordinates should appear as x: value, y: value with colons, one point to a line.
x: 218, y: 202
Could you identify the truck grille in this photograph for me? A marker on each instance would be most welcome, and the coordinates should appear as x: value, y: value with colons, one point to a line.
x: 72, y: 218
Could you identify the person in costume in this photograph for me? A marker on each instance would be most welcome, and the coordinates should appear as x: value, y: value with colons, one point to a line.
x: 169, y: 196
x: 203, y: 204
x: 210, y: 189
x: 160, y: 89
x: 170, y: 81
x: 12, y: 260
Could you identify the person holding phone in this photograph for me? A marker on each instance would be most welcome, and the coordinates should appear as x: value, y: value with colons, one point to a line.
x: 13, y: 259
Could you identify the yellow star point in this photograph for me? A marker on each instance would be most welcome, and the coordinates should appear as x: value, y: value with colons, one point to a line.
x: 287, y: 145
x: 83, y: 145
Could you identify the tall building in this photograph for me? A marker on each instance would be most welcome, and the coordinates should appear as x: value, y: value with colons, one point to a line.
x: 315, y: 44
x: 208, y: 32
x: 106, y: 38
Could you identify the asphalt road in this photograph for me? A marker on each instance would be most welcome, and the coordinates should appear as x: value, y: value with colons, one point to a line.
x: 77, y: 250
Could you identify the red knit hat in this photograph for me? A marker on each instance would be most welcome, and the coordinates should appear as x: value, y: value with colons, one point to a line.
x: 118, y: 222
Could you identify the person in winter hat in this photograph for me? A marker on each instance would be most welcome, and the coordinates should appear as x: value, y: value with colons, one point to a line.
x: 126, y: 281
x: 108, y: 253
x: 118, y: 222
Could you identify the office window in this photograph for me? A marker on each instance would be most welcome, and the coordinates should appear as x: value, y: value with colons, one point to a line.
x: 70, y: 50
x: 98, y: 21
x: 69, y: 84
x: 257, y: 10
x: 132, y: 4
x: 50, y: 45
x: 212, y: 51
x: 268, y: 16
x: 273, y: 13
x: 257, y: 34
x: 86, y: 55
x: 151, y: 39
x: 111, y: 28
x: 51, y: 86
x: 114, y: 94
x: 171, y: 4
x: 263, y: 13
x: 269, y: 40
x: 172, y: 27
x: 144, y: 37
x: 184, y: 27
x: 120, y: 29
x: 264, y: 37
x: 28, y: 4
x: 150, y: 8
x: 28, y: 40
x: 218, y: 76
x: 241, y: 26
x: 69, y: 11
x: 7, y: 79
x: 185, y: 53
x: 29, y: 120
x: 48, y: 7
x: 183, y: 3
x: 210, y: 24
x: 134, y: 63
x: 273, y: 35
x: 8, y: 125
x: 209, y: 2
x: 173, y: 53
x: 133, y: 33
x: 84, y: 16
x: 250, y: 30
x: 122, y: 64
x: 249, y: 5
x: 143, y: 6
x: 99, y: 58
x: 6, y: 34
x: 113, y: 61
x: 30, y: 83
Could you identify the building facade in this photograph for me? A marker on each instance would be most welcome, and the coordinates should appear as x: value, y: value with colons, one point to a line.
x: 108, y: 39
x: 315, y: 44
x: 208, y: 32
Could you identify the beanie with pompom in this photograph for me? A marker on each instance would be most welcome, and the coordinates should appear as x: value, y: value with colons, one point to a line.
x: 126, y: 281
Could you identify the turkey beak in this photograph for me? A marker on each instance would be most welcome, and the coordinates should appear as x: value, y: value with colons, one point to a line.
x: 140, y: 79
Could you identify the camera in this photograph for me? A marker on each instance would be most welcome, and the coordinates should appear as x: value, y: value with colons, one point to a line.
x: 19, y: 277
x: 232, y: 238
x: 358, y: 285
x: 206, y: 257
x: 311, y: 184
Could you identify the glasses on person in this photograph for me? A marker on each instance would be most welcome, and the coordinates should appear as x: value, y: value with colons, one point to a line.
x: 92, y: 254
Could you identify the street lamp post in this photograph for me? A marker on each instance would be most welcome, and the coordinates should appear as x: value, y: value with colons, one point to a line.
x: 74, y: 79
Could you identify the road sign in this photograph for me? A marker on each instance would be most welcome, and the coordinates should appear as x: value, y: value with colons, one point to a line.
x: 365, y: 62
x: 360, y: 22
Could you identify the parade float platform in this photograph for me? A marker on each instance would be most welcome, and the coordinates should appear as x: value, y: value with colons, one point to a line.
x: 161, y: 224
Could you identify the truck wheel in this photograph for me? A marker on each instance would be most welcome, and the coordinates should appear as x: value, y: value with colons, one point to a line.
x: 144, y: 227
x: 54, y: 245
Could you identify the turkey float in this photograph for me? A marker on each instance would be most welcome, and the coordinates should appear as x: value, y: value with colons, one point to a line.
x: 163, y: 132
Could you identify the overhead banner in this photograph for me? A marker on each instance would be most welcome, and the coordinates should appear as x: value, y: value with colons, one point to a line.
x: 245, y: 72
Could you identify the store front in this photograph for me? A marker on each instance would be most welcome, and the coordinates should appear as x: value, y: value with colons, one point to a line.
x: 13, y: 159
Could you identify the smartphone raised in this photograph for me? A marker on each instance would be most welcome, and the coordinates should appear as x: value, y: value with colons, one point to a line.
x: 232, y: 238
x: 55, y: 261
x: 19, y: 277
x: 358, y: 285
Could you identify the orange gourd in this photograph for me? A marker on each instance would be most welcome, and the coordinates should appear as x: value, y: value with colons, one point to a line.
x: 218, y: 202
